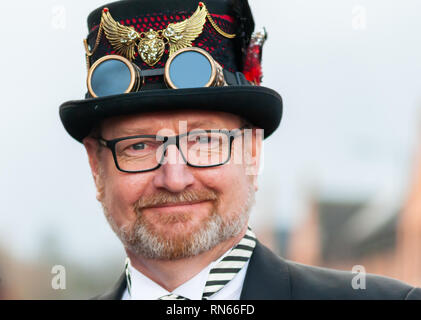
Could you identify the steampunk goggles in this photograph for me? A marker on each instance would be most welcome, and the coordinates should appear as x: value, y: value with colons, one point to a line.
x: 187, y: 68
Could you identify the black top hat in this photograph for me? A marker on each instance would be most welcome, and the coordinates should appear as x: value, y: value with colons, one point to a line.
x: 225, y: 18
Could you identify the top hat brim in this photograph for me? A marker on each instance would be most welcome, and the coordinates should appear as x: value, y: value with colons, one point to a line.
x: 259, y: 105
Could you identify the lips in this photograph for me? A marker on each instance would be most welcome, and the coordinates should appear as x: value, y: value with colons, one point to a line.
x: 176, y: 204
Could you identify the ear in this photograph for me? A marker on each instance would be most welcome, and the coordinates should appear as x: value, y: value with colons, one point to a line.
x: 91, y: 146
x: 253, y: 144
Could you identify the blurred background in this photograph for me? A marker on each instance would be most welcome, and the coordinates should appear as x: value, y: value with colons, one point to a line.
x: 341, y: 182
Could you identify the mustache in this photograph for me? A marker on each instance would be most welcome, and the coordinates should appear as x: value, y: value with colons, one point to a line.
x: 165, y: 198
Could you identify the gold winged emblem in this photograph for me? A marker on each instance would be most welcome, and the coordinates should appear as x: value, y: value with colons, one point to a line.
x: 151, y: 45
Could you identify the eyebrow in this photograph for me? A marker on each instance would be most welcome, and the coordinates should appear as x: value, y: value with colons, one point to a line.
x: 135, y: 131
x: 199, y: 124
x: 202, y: 123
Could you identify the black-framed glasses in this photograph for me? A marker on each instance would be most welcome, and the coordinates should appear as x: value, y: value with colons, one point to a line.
x: 199, y: 149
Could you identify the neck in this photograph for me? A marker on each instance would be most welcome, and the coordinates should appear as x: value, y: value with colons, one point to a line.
x: 170, y: 274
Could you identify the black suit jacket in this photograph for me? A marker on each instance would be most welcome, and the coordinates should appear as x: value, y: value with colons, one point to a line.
x: 270, y: 277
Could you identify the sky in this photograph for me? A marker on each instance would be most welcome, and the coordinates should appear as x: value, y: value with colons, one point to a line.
x: 348, y: 72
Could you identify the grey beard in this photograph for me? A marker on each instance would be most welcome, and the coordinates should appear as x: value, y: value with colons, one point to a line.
x: 139, y: 240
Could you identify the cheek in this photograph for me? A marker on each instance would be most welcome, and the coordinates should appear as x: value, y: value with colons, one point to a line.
x: 230, y: 182
x: 121, y: 192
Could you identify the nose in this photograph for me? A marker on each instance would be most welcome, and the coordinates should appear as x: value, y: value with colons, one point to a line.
x: 174, y: 175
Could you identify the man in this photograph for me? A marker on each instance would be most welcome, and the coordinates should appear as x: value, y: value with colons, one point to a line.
x: 173, y: 126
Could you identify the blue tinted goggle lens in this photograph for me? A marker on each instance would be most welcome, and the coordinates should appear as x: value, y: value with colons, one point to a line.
x: 112, y: 75
x: 190, y: 69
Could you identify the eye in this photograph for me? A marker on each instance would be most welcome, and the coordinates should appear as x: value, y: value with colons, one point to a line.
x: 138, y: 146
x: 208, y: 140
x: 203, y: 139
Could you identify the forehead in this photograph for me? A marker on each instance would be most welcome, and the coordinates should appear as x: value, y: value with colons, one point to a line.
x: 153, y: 122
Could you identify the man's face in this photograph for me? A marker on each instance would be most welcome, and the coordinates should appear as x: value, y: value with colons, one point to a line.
x: 175, y: 211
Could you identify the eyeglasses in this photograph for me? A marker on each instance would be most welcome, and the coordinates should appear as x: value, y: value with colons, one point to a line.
x: 187, y: 68
x: 199, y: 149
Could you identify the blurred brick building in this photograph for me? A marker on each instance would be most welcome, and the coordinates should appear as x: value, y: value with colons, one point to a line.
x: 382, y: 236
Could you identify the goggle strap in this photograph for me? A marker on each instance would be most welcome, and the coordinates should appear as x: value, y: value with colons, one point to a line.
x: 235, y: 79
x: 152, y: 72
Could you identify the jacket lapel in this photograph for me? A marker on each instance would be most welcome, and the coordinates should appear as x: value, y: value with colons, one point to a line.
x: 267, y: 277
x: 115, y: 293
